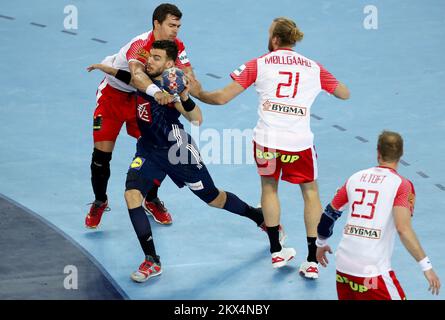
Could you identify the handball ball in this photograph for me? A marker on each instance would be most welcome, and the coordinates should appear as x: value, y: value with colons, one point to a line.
x: 173, y: 80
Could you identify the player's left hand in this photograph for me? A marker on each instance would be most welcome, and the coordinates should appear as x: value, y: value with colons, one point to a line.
x: 321, y: 255
x: 184, y: 95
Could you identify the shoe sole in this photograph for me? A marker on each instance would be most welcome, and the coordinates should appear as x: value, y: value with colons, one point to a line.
x: 310, y: 276
x: 145, y: 279
x: 148, y: 211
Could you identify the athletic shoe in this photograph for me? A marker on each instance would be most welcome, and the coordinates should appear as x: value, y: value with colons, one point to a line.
x: 157, y: 210
x: 280, y: 258
x: 149, y: 268
x: 93, y: 217
x: 282, y: 236
x: 309, y: 270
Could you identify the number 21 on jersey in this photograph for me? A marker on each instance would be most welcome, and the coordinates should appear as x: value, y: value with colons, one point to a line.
x: 288, y: 84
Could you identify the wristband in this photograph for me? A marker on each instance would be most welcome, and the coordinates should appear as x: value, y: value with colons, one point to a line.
x: 152, y: 90
x: 176, y: 98
x: 425, y: 264
x: 188, y: 104
x: 321, y: 242
x: 123, y: 76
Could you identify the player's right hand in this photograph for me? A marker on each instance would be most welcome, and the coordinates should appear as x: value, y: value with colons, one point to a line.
x: 163, y: 98
x: 321, y: 255
x: 433, y: 281
x: 195, y: 87
x: 94, y: 67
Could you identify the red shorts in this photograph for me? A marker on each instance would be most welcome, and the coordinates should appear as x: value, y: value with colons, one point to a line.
x: 382, y: 287
x: 114, y: 107
x: 297, y: 167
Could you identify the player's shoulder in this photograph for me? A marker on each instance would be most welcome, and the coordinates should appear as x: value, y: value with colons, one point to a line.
x: 180, y: 44
x: 405, y: 183
x: 143, y: 37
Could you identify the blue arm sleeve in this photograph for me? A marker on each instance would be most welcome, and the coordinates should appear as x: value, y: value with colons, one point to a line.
x: 327, y: 221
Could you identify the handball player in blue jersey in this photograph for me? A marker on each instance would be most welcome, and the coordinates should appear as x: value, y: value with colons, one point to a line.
x: 164, y: 148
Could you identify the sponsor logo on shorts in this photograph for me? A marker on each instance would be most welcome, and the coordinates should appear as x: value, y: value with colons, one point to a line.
x: 269, y: 155
x: 97, y: 122
x: 195, y: 186
x: 357, y: 287
x: 362, y: 232
x: 137, y: 163
x: 284, y: 109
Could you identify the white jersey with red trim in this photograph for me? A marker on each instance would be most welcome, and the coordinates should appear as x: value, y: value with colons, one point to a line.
x: 367, y: 244
x: 137, y: 50
x: 287, y: 84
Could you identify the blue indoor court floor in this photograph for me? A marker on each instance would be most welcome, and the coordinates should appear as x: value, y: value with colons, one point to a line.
x: 395, y: 74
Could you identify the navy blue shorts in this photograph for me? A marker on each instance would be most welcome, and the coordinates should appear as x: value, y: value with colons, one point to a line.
x: 150, y: 166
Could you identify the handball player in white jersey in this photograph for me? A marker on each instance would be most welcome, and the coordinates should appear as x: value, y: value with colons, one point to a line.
x: 287, y: 84
x: 380, y: 205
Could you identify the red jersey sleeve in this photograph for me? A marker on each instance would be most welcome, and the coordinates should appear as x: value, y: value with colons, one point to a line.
x: 406, y: 195
x: 182, y: 61
x: 340, y: 198
x: 246, y: 74
x: 137, y: 51
x: 327, y: 80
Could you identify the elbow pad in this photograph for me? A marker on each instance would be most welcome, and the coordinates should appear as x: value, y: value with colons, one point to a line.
x: 327, y: 221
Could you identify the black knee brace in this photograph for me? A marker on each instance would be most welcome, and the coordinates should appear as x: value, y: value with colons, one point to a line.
x: 100, y: 173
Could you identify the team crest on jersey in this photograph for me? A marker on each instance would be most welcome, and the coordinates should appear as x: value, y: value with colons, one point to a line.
x: 183, y: 57
x: 363, y: 232
x: 142, y: 53
x: 284, y: 108
x: 144, y: 112
x: 137, y: 163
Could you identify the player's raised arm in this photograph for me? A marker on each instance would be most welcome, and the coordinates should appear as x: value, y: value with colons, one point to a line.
x: 122, y: 75
x: 143, y: 83
x: 341, y: 91
x: 217, y: 97
x: 331, y: 85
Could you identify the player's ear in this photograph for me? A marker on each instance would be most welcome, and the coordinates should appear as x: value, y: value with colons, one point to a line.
x: 170, y: 64
x: 156, y: 24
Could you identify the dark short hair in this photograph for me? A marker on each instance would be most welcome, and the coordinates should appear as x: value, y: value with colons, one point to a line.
x: 161, y: 12
x: 170, y: 48
x: 390, y: 146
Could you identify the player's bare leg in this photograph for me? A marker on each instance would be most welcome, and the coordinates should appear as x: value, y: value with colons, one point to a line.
x: 312, y: 214
x: 105, y: 146
x: 312, y: 207
x: 219, y: 201
x: 270, y: 204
